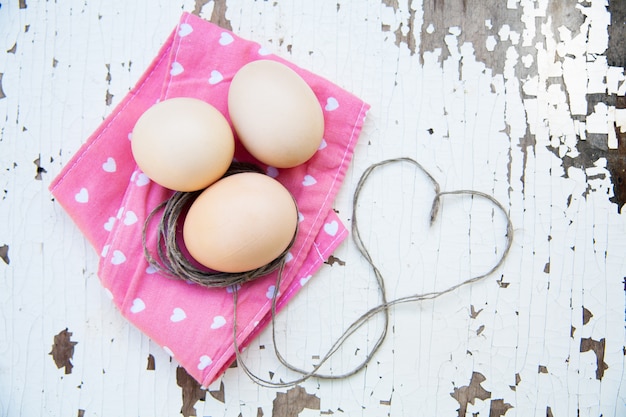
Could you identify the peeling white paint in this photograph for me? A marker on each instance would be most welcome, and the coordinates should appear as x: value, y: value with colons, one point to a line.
x: 470, y: 125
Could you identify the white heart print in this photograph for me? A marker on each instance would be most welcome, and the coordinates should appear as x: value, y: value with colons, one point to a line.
x: 105, y: 250
x: 184, y: 29
x: 271, y: 171
x: 263, y: 51
x: 118, y: 257
x: 176, y: 69
x: 288, y: 257
x: 304, y: 280
x: 108, y: 226
x: 138, y: 306
x: 140, y: 178
x: 331, y: 104
x: 151, y: 270
x: 226, y: 39
x: 204, y: 362
x: 178, y: 314
x: 230, y: 288
x: 82, y: 196
x: 331, y: 228
x: 270, y: 291
x: 215, y: 77
x: 218, y: 321
x: 323, y: 144
x: 130, y: 218
x: 309, y: 180
x: 109, y: 165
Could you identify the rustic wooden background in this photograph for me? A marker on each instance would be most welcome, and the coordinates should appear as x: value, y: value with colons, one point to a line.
x: 521, y: 99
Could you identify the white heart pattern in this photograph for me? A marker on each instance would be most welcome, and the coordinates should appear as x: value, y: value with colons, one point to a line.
x: 323, y: 144
x: 218, y: 321
x: 304, y: 280
x: 270, y: 291
x: 331, y: 228
x: 108, y: 226
x: 151, y: 270
x: 118, y: 257
x: 272, y: 172
x: 263, y: 51
x: 138, y: 306
x: 105, y: 250
x: 82, y: 196
x: 309, y: 180
x: 215, y: 77
x: 184, y: 29
x: 176, y: 69
x: 288, y: 257
x: 130, y: 218
x: 230, y: 288
x: 331, y: 104
x: 140, y: 179
x: 204, y: 362
x: 109, y: 165
x: 178, y: 314
x: 226, y: 39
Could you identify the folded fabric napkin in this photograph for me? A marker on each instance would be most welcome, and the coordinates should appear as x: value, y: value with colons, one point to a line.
x: 109, y: 198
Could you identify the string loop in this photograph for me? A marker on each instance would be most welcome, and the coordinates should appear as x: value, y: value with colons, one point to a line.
x: 384, y: 306
x: 171, y: 261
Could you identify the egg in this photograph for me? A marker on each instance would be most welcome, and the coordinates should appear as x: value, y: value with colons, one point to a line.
x: 183, y: 144
x: 275, y: 114
x: 240, y: 223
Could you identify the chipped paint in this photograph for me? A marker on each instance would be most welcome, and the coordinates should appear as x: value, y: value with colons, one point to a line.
x: 63, y: 350
x: 524, y: 99
x: 4, y: 254
x: 332, y: 260
x: 468, y: 394
x: 151, y: 366
x: 40, y: 169
x: 192, y: 392
x: 293, y: 402
x: 2, y: 95
x: 598, y: 347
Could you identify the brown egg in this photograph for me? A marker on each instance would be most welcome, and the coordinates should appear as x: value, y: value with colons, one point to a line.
x: 240, y: 223
x: 275, y: 113
x: 183, y: 144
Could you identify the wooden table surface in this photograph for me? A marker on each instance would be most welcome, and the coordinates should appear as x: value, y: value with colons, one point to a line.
x: 523, y: 100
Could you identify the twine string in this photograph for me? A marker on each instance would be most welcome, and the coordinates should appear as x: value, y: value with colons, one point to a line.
x: 172, y: 262
x: 384, y: 306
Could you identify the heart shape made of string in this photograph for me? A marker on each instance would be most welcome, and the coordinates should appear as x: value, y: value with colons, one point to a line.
x: 385, y: 304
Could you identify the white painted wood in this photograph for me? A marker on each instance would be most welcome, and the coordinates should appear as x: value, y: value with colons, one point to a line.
x: 525, y: 339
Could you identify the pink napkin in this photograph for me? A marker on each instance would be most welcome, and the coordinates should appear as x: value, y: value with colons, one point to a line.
x: 109, y: 198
